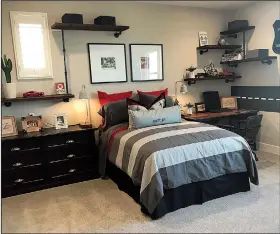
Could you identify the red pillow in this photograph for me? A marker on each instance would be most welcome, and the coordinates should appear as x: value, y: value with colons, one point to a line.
x: 106, y: 98
x: 155, y: 93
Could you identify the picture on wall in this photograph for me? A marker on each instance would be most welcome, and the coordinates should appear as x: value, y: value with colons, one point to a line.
x: 107, y: 63
x: 146, y: 61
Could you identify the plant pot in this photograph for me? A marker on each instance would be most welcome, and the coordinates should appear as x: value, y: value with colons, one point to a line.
x: 190, y: 111
x: 192, y: 75
x: 10, y: 90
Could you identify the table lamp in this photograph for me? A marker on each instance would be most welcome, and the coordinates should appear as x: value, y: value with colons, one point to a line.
x: 84, y: 96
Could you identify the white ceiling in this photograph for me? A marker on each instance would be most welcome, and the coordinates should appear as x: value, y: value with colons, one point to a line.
x: 221, y: 5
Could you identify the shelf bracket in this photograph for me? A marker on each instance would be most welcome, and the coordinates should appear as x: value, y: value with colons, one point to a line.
x: 65, y: 99
x: 7, y: 104
x: 117, y: 34
x: 233, y: 65
x: 190, y: 82
x: 203, y: 51
x: 269, y: 62
x: 229, y: 79
x: 233, y: 35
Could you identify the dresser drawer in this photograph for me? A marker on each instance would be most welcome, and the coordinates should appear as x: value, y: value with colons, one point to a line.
x: 73, y: 151
x: 74, y: 166
x: 22, y: 176
x: 70, y: 138
x: 22, y: 159
x: 16, y: 146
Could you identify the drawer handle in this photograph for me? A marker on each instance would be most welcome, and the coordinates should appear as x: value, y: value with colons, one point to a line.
x: 15, y: 149
x: 17, y: 164
x: 69, y: 141
x: 72, y: 170
x: 19, y: 180
x: 71, y: 156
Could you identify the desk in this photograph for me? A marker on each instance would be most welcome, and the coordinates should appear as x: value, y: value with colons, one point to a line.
x: 209, y: 117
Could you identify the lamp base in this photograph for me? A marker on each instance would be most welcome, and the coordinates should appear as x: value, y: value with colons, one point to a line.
x: 85, y: 125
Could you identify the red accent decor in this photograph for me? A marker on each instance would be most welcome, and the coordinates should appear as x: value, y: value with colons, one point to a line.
x: 121, y: 129
x: 106, y: 98
x: 155, y: 93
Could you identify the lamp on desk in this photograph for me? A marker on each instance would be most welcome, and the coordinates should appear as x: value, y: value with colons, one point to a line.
x: 84, y: 96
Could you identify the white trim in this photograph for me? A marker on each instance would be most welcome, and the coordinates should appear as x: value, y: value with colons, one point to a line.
x: 273, y: 149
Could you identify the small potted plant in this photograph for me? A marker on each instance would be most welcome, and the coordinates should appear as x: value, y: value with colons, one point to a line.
x: 9, y: 88
x: 189, y: 106
x: 191, y: 70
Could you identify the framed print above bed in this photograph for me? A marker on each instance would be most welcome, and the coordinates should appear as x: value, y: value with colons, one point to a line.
x: 107, y: 63
x: 146, y: 62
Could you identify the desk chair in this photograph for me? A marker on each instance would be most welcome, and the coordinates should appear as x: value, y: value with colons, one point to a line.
x: 248, y: 129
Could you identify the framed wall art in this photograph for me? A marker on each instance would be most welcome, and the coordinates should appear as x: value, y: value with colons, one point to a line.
x: 9, y: 127
x: 60, y: 121
x: 146, y: 62
x: 229, y: 102
x: 32, y: 123
x: 60, y: 88
x: 107, y: 63
x: 200, y: 107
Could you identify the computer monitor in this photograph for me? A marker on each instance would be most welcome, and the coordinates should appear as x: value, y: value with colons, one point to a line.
x: 212, y: 100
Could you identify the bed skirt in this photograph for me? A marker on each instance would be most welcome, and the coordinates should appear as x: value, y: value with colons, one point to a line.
x: 185, y: 195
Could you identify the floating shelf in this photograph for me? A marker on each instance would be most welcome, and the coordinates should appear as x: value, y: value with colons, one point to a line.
x: 118, y: 29
x: 264, y: 60
x: 225, y: 78
x: 204, y: 49
x: 65, y: 97
x: 233, y: 33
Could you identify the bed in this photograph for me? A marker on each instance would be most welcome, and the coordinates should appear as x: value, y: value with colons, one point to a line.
x: 172, y: 166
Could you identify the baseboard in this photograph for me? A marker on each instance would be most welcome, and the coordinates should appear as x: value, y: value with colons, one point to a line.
x: 273, y: 149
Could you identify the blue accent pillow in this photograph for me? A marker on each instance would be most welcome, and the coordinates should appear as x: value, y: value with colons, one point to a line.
x: 142, y: 119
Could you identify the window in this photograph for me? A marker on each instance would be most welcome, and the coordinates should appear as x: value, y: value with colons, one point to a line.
x: 31, y: 44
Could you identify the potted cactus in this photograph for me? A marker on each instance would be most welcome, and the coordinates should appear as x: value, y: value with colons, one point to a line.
x: 189, y: 106
x: 9, y: 88
x: 191, y: 70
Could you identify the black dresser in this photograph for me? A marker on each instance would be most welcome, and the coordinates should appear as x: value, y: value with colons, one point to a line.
x: 41, y: 160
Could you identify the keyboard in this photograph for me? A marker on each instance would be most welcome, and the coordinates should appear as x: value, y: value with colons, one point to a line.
x: 220, y: 110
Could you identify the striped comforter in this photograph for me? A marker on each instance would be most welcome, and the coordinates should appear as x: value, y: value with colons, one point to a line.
x: 167, y: 156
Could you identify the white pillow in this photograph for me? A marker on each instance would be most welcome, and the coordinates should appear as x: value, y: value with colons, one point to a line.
x: 141, y: 119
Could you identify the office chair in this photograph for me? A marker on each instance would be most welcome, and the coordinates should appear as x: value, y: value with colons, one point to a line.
x: 248, y: 129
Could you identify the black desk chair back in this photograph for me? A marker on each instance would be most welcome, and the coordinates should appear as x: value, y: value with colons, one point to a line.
x: 252, y: 128
x: 248, y: 129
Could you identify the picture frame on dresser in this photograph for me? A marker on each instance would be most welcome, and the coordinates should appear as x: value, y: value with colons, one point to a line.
x: 107, y: 63
x: 146, y: 62
x: 229, y: 102
x: 32, y: 123
x: 60, y: 121
x: 9, y: 126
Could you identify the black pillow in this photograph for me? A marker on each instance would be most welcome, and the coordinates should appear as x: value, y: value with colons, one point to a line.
x: 148, y: 100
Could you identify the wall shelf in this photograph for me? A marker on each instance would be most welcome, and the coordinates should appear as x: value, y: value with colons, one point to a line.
x: 64, y: 97
x: 118, y: 29
x: 233, y: 33
x: 227, y: 79
x: 204, y: 49
x: 264, y: 60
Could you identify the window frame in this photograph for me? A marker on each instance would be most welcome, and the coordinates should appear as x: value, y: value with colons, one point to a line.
x: 26, y: 74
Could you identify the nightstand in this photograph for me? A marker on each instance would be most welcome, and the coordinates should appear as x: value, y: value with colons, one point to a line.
x: 40, y: 160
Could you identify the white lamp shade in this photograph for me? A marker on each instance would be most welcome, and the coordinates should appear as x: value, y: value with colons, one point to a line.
x: 183, y: 88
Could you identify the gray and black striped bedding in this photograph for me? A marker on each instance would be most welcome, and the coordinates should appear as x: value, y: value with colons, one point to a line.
x: 168, y: 156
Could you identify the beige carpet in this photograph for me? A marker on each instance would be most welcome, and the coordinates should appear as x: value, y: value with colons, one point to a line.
x: 98, y: 206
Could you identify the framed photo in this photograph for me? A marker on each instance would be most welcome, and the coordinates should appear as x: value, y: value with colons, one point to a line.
x: 200, y: 107
x: 60, y: 121
x: 60, y: 88
x: 32, y: 123
x: 9, y: 127
x: 203, y: 38
x: 229, y: 102
x: 107, y: 63
x: 146, y: 62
